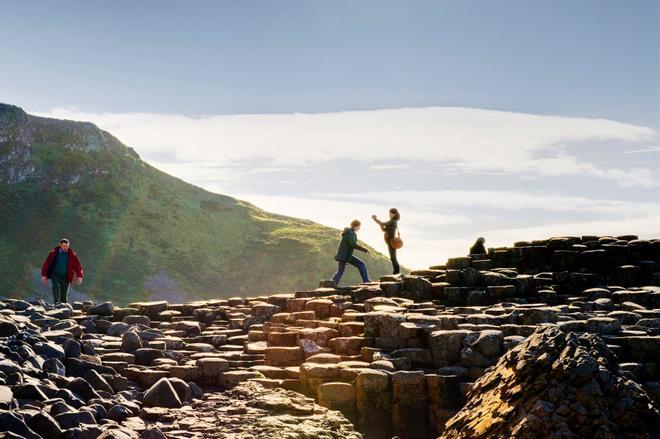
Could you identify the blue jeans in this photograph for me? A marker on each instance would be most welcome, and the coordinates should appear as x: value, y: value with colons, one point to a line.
x: 362, y: 268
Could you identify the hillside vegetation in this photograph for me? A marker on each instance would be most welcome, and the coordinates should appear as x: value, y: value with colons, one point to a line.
x: 141, y: 233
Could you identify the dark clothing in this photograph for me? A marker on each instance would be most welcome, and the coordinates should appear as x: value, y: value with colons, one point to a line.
x: 362, y: 268
x: 73, y: 265
x: 60, y: 288
x: 60, y: 263
x: 347, y: 245
x: 478, y: 249
x: 389, y: 227
x: 395, y: 262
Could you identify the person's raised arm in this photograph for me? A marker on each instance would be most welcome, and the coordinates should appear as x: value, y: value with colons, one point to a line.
x: 376, y: 220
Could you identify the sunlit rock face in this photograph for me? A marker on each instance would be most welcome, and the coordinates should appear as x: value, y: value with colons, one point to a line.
x: 555, y: 382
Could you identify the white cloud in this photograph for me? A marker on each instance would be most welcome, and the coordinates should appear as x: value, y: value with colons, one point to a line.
x: 502, y: 200
x: 463, y: 139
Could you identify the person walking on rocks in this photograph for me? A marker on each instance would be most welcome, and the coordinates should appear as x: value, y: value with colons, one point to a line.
x: 60, y: 266
x: 392, y: 239
x: 348, y: 244
x: 478, y: 247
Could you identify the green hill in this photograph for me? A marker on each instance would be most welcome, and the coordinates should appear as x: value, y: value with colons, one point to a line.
x: 141, y: 233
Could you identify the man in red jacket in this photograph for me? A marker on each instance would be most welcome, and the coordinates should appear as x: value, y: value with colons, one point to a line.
x: 60, y: 266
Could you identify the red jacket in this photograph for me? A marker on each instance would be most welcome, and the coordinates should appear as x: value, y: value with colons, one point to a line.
x: 73, y: 264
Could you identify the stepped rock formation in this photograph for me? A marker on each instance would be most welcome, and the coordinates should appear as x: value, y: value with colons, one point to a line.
x: 555, y: 382
x: 551, y: 338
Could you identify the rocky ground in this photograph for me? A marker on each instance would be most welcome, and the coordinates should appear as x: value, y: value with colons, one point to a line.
x: 553, y: 338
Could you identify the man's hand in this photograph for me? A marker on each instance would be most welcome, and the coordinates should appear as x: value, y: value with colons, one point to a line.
x: 79, y: 280
x: 44, y: 280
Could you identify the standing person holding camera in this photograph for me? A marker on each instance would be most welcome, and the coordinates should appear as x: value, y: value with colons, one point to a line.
x: 392, y: 238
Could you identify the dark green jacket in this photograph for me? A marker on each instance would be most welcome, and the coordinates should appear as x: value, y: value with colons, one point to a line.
x: 347, y: 245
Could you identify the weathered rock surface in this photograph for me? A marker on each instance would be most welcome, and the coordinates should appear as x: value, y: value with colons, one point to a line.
x: 560, y: 384
x: 249, y: 411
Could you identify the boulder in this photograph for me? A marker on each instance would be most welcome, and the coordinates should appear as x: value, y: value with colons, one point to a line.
x: 162, y: 394
x: 7, y: 328
x: 82, y: 388
x: 555, y: 382
x: 103, y: 309
x: 117, y: 328
x: 119, y: 413
x: 74, y: 419
x: 11, y: 422
x: 130, y: 341
x: 146, y: 356
x: 45, y: 425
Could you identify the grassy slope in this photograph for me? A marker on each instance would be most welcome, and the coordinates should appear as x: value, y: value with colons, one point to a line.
x: 140, y: 231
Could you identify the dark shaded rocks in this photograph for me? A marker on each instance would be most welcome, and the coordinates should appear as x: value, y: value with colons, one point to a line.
x: 119, y: 413
x: 153, y: 433
x: 555, y: 382
x: 97, y: 381
x: 13, y: 423
x: 29, y: 391
x: 162, y: 394
x: 117, y: 328
x: 145, y: 356
x: 74, y: 419
x: 103, y: 309
x: 72, y: 348
x: 130, y: 341
x: 45, y: 425
x: 82, y: 388
x: 7, y: 328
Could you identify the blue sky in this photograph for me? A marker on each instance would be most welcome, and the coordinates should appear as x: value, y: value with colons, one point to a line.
x: 513, y: 101
x: 587, y: 58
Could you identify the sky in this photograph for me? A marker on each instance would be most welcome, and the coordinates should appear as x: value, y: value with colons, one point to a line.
x: 513, y: 120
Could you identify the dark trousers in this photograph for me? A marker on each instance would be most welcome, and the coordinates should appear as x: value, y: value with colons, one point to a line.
x: 341, y: 266
x: 60, y: 288
x: 395, y: 262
